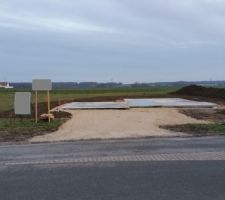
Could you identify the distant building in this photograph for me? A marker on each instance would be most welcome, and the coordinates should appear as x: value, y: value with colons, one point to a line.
x: 5, y: 85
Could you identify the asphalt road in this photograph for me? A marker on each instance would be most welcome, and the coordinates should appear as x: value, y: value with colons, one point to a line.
x: 155, y: 169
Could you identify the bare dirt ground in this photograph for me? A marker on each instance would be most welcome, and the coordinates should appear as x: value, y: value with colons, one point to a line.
x: 105, y: 124
x: 207, y: 114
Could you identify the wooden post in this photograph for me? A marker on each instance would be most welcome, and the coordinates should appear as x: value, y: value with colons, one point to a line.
x: 48, y: 100
x: 36, y: 106
x: 59, y: 101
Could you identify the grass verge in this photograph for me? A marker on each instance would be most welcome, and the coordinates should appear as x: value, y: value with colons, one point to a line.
x: 198, y: 129
x: 22, y: 129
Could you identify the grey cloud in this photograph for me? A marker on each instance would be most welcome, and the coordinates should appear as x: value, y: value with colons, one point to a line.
x: 106, y: 36
x: 168, y: 21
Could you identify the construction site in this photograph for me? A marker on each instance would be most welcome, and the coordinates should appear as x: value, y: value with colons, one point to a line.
x: 181, y: 113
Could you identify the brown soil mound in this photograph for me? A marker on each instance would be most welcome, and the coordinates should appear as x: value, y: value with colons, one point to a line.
x: 199, y: 91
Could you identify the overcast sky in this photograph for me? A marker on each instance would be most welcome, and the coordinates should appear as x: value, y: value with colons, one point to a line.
x: 112, y: 40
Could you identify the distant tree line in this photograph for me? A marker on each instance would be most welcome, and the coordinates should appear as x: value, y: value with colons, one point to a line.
x: 93, y: 85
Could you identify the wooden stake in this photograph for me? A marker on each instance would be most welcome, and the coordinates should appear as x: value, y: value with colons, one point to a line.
x: 48, y: 100
x: 36, y: 106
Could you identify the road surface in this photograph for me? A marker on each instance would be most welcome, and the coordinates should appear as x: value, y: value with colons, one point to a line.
x: 155, y: 169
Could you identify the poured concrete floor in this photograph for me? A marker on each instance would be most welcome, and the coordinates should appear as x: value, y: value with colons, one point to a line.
x: 167, y: 102
x: 106, y: 124
x: 95, y: 105
x: 138, y: 103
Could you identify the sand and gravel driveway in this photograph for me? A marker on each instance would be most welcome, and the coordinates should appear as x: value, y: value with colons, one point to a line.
x: 105, y: 124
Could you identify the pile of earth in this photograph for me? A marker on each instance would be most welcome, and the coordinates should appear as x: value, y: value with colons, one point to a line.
x: 208, y: 93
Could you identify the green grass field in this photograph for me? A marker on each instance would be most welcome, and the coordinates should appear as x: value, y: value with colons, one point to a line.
x: 7, y: 96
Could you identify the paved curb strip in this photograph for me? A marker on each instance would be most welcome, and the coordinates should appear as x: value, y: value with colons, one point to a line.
x: 206, y: 156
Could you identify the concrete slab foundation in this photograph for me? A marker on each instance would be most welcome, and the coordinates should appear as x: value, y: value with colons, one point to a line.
x: 139, y: 103
x: 96, y: 105
x: 167, y: 102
